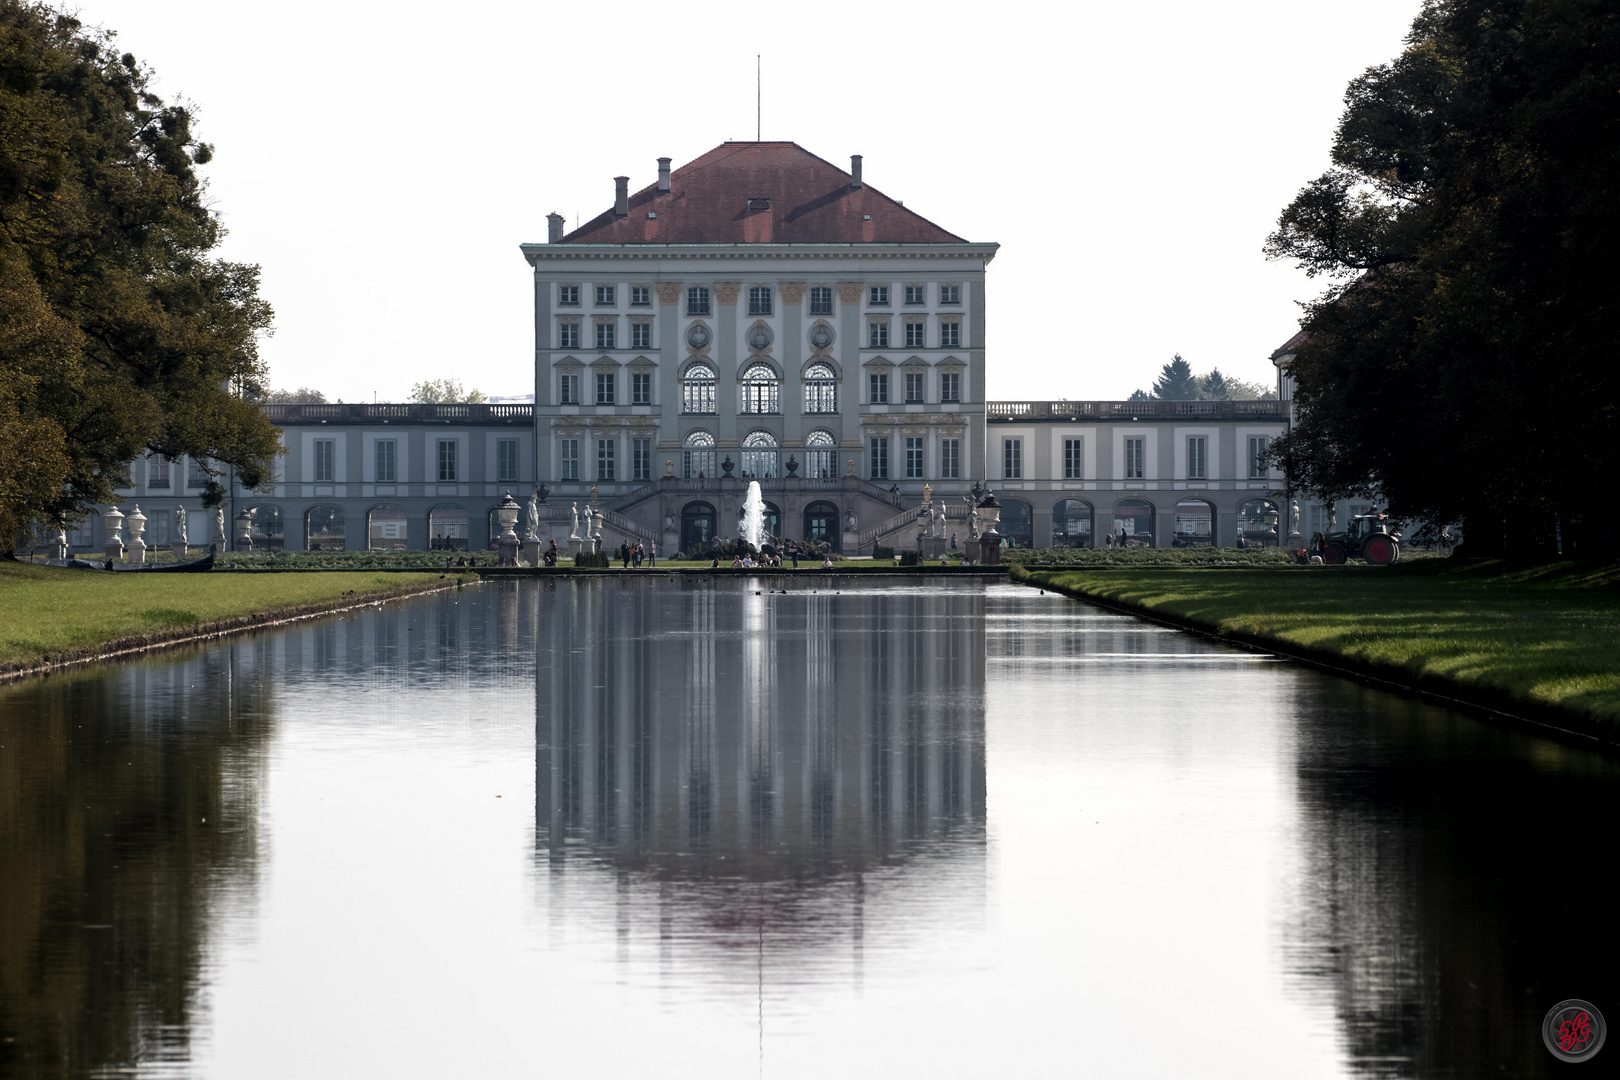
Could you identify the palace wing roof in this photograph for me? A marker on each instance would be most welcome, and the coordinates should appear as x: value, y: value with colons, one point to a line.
x: 810, y: 202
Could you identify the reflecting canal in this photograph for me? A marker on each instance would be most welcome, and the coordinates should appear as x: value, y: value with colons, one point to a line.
x: 701, y: 828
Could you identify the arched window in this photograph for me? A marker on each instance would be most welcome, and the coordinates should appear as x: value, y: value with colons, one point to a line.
x: 1071, y: 524
x: 761, y: 392
x: 820, y: 389
x: 1133, y: 522
x: 759, y: 455
x: 323, y: 528
x: 697, y: 458
x: 1195, y: 524
x: 268, y: 532
x: 697, y: 390
x: 447, y: 528
x: 1017, y: 522
x: 821, y: 524
x: 820, y: 450
x: 385, y: 528
x: 697, y: 527
x: 1258, y: 521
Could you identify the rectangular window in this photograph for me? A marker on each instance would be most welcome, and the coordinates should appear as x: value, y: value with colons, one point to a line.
x: 604, y: 295
x: 157, y: 471
x: 506, y: 460
x: 877, y: 389
x: 914, y: 459
x: 821, y: 300
x: 1197, y: 457
x: 568, y: 389
x: 877, y: 335
x: 916, y: 294
x: 605, y: 335
x: 641, y: 388
x: 1074, y: 459
x: 641, y: 458
x: 878, y: 459
x: 568, y: 296
x: 916, y: 335
x: 759, y: 300
x: 914, y: 387
x: 1135, y: 459
x: 1258, y: 445
x: 950, y: 294
x: 697, y: 300
x: 568, y: 459
x: 640, y: 335
x: 447, y: 461
x: 1012, y: 459
x: 324, y: 452
x: 950, y: 334
x: 604, y: 388
x: 879, y: 295
x: 568, y: 335
x: 385, y: 455
x: 950, y: 459
x: 640, y: 296
x: 197, y: 475
x: 950, y: 386
x: 604, y: 459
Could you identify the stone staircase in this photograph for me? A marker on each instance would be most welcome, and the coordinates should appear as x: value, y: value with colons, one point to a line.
x: 887, y: 529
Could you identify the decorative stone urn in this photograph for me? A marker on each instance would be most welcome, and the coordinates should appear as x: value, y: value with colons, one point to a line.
x: 726, y: 466
x: 137, y: 526
x: 115, y: 527
x: 989, y: 511
x: 244, y: 531
x: 506, y: 544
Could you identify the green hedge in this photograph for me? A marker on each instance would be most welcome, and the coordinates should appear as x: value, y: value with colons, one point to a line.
x: 348, y: 560
x: 1144, y: 556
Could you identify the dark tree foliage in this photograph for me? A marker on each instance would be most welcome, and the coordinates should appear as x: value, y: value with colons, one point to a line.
x: 118, y: 333
x: 1463, y: 367
x: 1212, y: 387
x: 1176, y: 382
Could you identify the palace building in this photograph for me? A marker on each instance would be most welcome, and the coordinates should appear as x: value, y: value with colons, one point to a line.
x: 756, y: 314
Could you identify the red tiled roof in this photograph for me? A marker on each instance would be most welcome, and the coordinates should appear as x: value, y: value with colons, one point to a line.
x: 1291, y: 345
x: 811, y: 202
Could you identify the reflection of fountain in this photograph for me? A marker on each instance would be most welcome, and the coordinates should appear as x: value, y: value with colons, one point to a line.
x: 753, y: 515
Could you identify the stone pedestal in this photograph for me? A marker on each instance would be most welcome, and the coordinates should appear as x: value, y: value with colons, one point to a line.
x: 669, y: 545
x: 852, y: 543
x: 989, y: 549
x: 578, y: 545
x: 932, y: 547
x: 179, y: 549
x: 531, y: 551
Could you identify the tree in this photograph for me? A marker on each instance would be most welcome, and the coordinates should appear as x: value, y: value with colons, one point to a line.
x: 1212, y: 387
x: 302, y: 396
x: 446, y: 391
x: 1176, y: 382
x: 118, y: 332
x: 1461, y: 367
x: 1138, y: 395
x: 1244, y: 390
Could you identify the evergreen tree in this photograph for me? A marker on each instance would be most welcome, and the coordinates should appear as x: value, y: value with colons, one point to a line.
x: 1176, y: 382
x: 1212, y: 387
x: 1138, y: 395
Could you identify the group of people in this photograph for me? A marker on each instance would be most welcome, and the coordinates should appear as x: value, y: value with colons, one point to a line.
x: 632, y: 554
x: 1124, y: 539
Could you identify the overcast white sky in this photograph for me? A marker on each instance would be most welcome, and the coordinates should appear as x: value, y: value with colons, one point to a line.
x: 382, y: 162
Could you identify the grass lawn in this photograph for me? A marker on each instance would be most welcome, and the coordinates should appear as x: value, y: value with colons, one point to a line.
x: 50, y: 613
x: 1541, y: 639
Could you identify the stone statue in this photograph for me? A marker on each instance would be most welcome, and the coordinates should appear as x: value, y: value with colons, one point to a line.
x: 219, y: 524
x: 180, y: 525
x: 1333, y: 517
x: 534, y: 516
x: 573, y: 512
x: 1293, y: 518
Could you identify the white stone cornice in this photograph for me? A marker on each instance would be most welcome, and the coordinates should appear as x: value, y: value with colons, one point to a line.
x: 553, y: 253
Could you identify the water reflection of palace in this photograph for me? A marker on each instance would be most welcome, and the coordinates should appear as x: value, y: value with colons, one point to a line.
x: 780, y: 733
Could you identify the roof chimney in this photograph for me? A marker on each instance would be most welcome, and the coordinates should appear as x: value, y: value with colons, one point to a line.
x: 663, y: 175
x: 621, y: 196
x: 554, y: 227
x: 854, y: 170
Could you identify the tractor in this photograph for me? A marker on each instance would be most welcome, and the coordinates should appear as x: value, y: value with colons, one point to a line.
x: 1367, y: 538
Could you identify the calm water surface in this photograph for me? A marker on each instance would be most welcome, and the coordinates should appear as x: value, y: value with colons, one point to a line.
x: 697, y: 828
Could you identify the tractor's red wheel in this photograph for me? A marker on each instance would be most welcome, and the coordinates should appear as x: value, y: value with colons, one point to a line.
x: 1380, y: 551
x: 1333, y: 554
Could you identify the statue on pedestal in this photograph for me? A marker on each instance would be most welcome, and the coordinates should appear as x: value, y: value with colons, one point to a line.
x: 180, y: 526
x: 219, y: 525
x: 533, y: 517
x: 573, y: 512
x: 1293, y: 518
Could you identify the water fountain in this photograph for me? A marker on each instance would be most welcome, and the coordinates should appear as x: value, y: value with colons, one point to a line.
x: 753, y: 516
